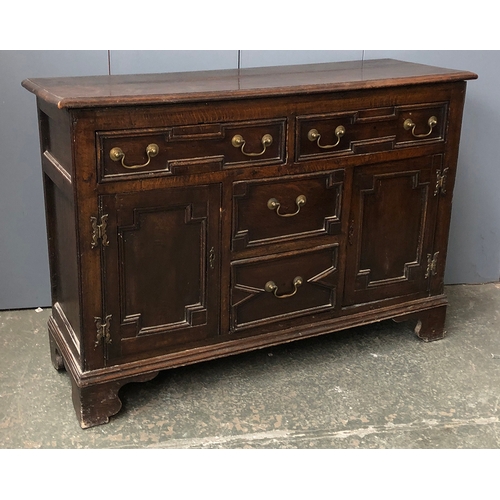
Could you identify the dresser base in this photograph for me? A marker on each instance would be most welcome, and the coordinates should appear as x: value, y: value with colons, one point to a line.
x: 94, y: 404
x: 193, y: 216
x: 95, y: 393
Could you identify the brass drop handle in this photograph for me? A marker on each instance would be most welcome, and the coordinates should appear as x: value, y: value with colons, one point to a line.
x: 314, y: 135
x: 238, y: 142
x: 408, y: 124
x: 274, y: 204
x: 116, y: 154
x: 271, y: 287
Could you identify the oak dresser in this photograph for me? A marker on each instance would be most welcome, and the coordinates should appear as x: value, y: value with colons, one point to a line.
x: 192, y: 216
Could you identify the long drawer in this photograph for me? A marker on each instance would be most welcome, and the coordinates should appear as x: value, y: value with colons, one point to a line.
x: 369, y: 130
x: 189, y: 149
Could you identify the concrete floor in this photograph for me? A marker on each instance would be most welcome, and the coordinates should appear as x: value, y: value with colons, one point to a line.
x: 372, y: 387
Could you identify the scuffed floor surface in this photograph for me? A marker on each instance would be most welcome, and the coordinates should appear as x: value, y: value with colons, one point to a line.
x: 377, y: 386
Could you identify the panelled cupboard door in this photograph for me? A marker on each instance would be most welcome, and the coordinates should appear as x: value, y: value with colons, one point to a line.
x: 391, y: 229
x: 160, y: 270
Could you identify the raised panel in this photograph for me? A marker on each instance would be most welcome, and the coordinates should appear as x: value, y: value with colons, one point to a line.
x: 393, y: 214
x: 153, y: 251
x: 62, y: 240
x: 160, y: 281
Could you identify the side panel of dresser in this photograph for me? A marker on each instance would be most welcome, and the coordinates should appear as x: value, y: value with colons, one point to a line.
x: 446, y: 184
x: 75, y: 230
x: 62, y: 234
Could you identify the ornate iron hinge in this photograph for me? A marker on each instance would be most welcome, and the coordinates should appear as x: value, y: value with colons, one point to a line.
x: 103, y: 334
x: 211, y: 258
x: 441, y: 181
x: 432, y: 261
x: 350, y: 234
x: 99, y: 231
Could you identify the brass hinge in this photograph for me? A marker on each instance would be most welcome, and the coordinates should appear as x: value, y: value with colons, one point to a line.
x: 441, y: 181
x: 99, y: 231
x: 431, y: 264
x: 103, y: 334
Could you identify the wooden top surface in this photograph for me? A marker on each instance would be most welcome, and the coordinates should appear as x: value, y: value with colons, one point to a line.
x: 93, y: 91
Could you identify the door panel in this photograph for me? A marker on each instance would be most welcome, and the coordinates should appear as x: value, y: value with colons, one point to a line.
x: 393, y: 214
x: 161, y: 270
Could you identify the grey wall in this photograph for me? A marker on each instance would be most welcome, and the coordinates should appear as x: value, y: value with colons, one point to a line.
x: 24, y: 274
x: 474, y: 250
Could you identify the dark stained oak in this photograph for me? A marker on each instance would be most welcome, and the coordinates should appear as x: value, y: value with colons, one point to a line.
x: 393, y: 214
x: 192, y: 216
x: 94, y: 404
x: 429, y: 324
x: 228, y: 84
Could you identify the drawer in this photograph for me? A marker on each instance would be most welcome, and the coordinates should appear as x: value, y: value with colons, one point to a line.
x: 285, y: 286
x: 189, y: 149
x: 325, y: 135
x: 369, y: 130
x: 420, y: 124
x: 276, y: 210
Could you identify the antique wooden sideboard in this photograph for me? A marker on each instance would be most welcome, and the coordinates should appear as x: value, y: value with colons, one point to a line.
x: 192, y: 216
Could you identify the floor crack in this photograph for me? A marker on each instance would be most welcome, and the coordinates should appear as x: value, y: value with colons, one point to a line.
x: 267, y: 438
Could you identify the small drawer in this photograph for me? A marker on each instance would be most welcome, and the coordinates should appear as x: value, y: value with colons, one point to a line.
x: 420, y: 123
x: 276, y: 210
x: 325, y: 135
x: 254, y: 143
x: 282, y: 287
x: 189, y: 149
x: 133, y: 152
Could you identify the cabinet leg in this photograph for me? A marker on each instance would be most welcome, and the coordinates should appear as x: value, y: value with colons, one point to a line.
x: 94, y: 404
x: 55, y: 355
x: 430, y: 323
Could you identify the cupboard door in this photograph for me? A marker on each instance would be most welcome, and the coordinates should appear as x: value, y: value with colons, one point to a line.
x: 391, y: 229
x: 161, y: 270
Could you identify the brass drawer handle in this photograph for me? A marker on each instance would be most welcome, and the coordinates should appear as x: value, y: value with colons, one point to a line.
x: 408, y: 124
x: 116, y: 154
x: 314, y: 135
x: 274, y: 204
x: 238, y: 142
x: 271, y: 287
